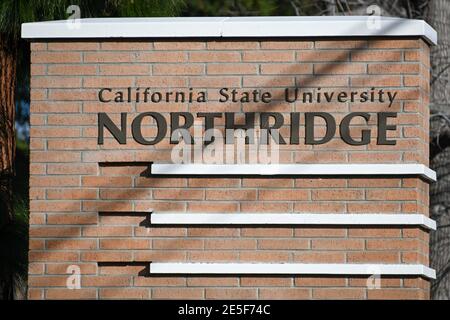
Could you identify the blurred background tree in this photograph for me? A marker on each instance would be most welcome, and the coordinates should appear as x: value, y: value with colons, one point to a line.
x: 14, y: 103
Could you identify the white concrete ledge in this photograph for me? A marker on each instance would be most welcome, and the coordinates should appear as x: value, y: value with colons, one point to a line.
x: 315, y: 26
x: 292, y: 268
x: 361, y: 219
x: 347, y: 169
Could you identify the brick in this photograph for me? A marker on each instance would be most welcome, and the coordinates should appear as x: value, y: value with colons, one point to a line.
x: 212, y: 183
x: 232, y: 45
x: 55, y: 156
x: 123, y: 293
x: 71, y: 69
x: 176, y: 57
x: 215, y: 81
x: 320, y: 232
x: 62, y: 268
x: 230, y: 244
x: 341, y: 293
x: 75, y: 194
x: 340, y: 44
x: 157, y: 281
x: 285, y: 294
x: 371, y: 55
x: 159, y: 232
x: 99, y: 181
x: 55, y: 256
x: 177, y: 293
x: 235, y: 294
x: 392, y: 68
x: 100, y: 57
x: 268, y: 56
x: 337, y: 244
x: 82, y: 169
x: 264, y: 256
x: 214, y: 56
x: 213, y: 255
x: 105, y: 281
x: 337, y: 194
x: 59, y: 232
x: 281, y: 44
x: 174, y: 69
x: 384, y: 282
x: 319, y: 281
x: 397, y: 294
x: 388, y: 244
x: 258, y: 81
x: 109, y: 206
x: 373, y: 207
x: 266, y: 281
x: 286, y: 194
x: 116, y: 244
x: 286, y: 68
x: 230, y: 194
x: 400, y: 44
x: 107, y: 82
x: 54, y: 206
x: 283, y: 244
x: 374, y: 232
x: 379, y: 81
x: 132, y: 194
x: 232, y: 68
x: 178, y: 194
x: 385, y: 194
x: 323, y: 55
x: 161, y: 255
x: 70, y: 294
x: 343, y: 68
x: 212, y: 282
x: 36, y: 268
x: 176, y: 244
x: 179, y: 45
x: 55, y: 57
x: 71, y: 244
x: 213, y: 232
x: 72, y: 46
x: 266, y: 232
x: 35, y: 294
x: 103, y: 231
x: 108, y: 256
x: 265, y: 206
x: 373, y: 257
x: 124, y: 69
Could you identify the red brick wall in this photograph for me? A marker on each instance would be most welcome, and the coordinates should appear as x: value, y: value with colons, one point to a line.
x: 89, y: 212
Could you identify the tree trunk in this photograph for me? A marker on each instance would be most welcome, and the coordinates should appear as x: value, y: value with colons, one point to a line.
x: 8, y: 53
x: 439, y: 17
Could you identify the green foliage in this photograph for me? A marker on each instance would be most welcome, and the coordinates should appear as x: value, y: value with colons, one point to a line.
x: 15, y: 12
x: 14, y: 251
x: 14, y: 236
x: 251, y: 7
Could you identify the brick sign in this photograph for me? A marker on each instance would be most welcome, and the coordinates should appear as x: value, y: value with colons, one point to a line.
x: 238, y: 158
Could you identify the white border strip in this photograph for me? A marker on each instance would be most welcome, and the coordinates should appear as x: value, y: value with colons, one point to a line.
x: 291, y: 218
x: 314, y: 26
x: 292, y: 268
x: 295, y: 169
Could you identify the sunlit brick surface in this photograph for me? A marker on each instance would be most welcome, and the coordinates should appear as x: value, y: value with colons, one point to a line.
x: 88, y: 213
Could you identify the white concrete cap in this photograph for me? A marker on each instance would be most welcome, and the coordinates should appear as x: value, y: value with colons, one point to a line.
x: 292, y: 268
x: 376, y: 169
x: 316, y: 26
